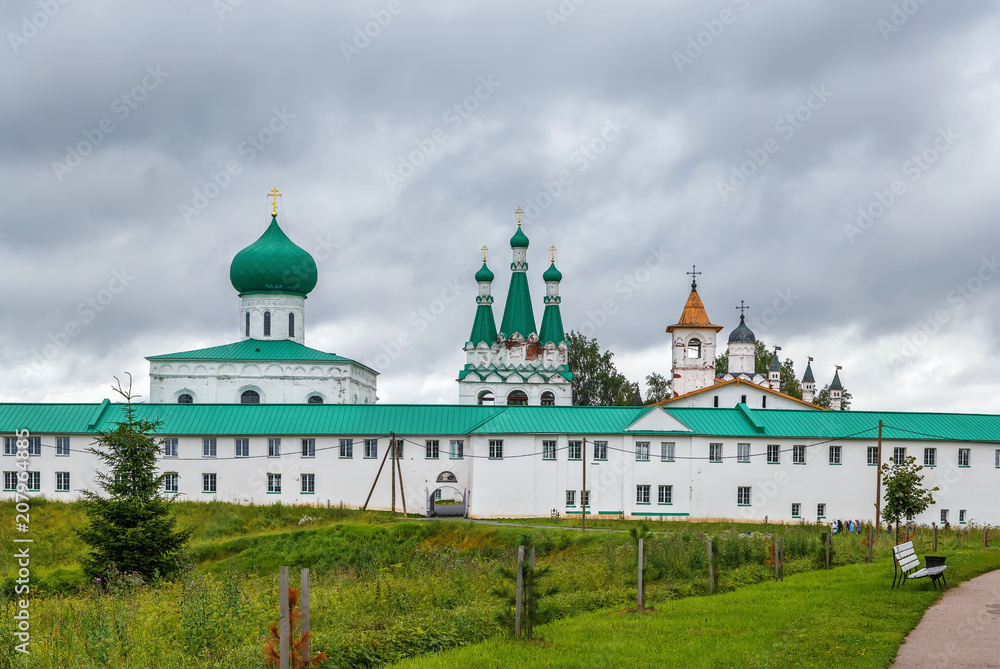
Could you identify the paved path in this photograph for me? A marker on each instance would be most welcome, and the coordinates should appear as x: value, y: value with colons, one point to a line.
x: 962, y: 630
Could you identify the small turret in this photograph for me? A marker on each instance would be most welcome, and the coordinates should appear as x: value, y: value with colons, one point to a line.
x: 742, y: 345
x: 518, y: 316
x: 836, y: 391
x: 552, y: 327
x: 774, y: 371
x: 808, y: 383
x: 484, y: 329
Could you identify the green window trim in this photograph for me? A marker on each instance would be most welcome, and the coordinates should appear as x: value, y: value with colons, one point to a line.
x: 273, y: 492
x: 610, y: 513
x: 458, y: 457
x: 799, y: 516
x: 640, y: 504
x: 836, y: 464
x: 961, y: 466
x: 305, y: 492
x: 744, y: 505
x: 664, y: 503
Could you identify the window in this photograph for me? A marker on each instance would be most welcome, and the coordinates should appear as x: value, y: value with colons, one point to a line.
x: 185, y: 398
x: 34, y: 481
x: 274, y: 483
x: 715, y: 452
x: 694, y: 348
x: 796, y: 510
x: 486, y: 398
x: 743, y: 495
x: 34, y: 445
x: 743, y: 399
x: 170, y: 482
x: 170, y: 447
x: 798, y: 455
x: 742, y: 452
x: 642, y: 450
x: 763, y: 401
x: 961, y: 515
x: 665, y: 494
x: 267, y: 323
x: 517, y: 398
x: 371, y: 448
x: 309, y: 448
x: 291, y: 325
x: 997, y: 459
x: 437, y: 495
x: 457, y: 449
x: 274, y: 447
x: 899, y: 455
x: 963, y: 457
x: 243, y: 447
x: 715, y: 401
x: 821, y: 510
x: 10, y: 445
x: 10, y: 480
x: 873, y: 455
x: 432, y: 449
x: 600, y: 450
x: 246, y: 324
x: 308, y: 484
x: 62, y: 445
x: 250, y: 397
x: 585, y: 499
x: 208, y: 482
x: 208, y: 447
x: 62, y: 481
x: 570, y: 498
x: 835, y: 453
x: 930, y: 457
x: 944, y: 515
x: 548, y: 399
x: 642, y: 494
x: 548, y: 450
x: 667, y: 451
x: 496, y: 449
x: 315, y: 399
x: 347, y: 448
x: 575, y: 450
x: 773, y: 454
x: 399, y: 448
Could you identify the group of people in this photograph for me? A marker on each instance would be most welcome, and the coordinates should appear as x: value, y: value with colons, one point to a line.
x: 850, y: 526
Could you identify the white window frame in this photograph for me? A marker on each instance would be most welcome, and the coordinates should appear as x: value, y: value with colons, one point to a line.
x: 798, y: 455
x: 774, y: 454
x: 308, y: 447
x: 742, y: 452
x: 10, y: 481
x: 961, y: 516
x: 496, y: 449
x: 642, y: 451
x: 62, y: 446
x: 548, y: 449
x: 836, y: 454
x: 821, y: 510
x: 873, y: 456
x: 600, y: 450
x: 346, y: 449
x: 171, y: 482
x: 456, y: 449
x: 665, y: 494
x: 575, y: 446
x: 964, y: 457
x: 209, y: 447
x: 242, y: 452
x: 667, y: 451
x: 34, y: 481
x: 570, y: 498
x: 209, y: 483
x: 896, y: 451
x: 308, y: 484
x: 273, y: 484
x: 170, y: 447
x: 796, y: 509
x: 274, y: 447
x: 944, y: 516
x: 642, y: 493
x: 432, y: 449
x: 62, y: 481
x: 743, y: 495
x: 10, y: 445
x: 930, y: 456
x: 715, y: 452
x: 371, y: 449
x: 585, y: 499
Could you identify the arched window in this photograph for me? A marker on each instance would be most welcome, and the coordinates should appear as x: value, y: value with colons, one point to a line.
x: 315, y: 399
x: 486, y: 398
x: 267, y: 323
x: 250, y: 397
x: 246, y: 326
x: 517, y: 398
x: 184, y: 398
x: 548, y: 399
x: 694, y: 348
x: 291, y: 325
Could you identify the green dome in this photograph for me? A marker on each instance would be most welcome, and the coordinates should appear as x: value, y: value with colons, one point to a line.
x: 519, y: 240
x: 484, y: 274
x: 273, y: 264
x: 552, y: 274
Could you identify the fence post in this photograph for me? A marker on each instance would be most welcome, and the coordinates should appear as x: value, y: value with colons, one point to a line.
x: 960, y: 537
x: 828, y: 536
x: 283, y: 633
x: 934, y: 539
x: 519, y: 596
x: 711, y: 576
x: 986, y: 536
x: 781, y: 545
x: 641, y: 593
x: 777, y: 558
x: 304, y: 598
x: 871, y: 532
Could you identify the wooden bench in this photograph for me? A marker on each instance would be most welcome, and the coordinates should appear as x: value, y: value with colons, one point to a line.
x: 906, y: 559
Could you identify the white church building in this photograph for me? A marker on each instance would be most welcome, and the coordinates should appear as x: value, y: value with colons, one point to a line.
x: 266, y: 419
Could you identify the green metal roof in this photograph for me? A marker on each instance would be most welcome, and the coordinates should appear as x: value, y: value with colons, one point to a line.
x: 518, y: 316
x: 519, y: 240
x: 484, y: 328
x: 380, y: 419
x: 273, y: 264
x: 484, y: 275
x: 552, y: 274
x: 259, y: 350
x: 552, y: 326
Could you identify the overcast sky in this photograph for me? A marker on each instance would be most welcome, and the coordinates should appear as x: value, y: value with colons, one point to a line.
x: 745, y: 137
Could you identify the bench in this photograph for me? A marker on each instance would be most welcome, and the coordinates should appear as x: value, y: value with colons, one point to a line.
x: 906, y: 559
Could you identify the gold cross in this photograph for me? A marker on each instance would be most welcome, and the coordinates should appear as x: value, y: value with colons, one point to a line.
x: 484, y: 253
x: 553, y: 251
x: 519, y: 212
x: 274, y: 195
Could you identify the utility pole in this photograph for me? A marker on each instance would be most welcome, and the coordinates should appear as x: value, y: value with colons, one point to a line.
x: 392, y: 466
x: 878, y: 484
x: 402, y: 494
x: 583, y: 493
x: 384, y: 457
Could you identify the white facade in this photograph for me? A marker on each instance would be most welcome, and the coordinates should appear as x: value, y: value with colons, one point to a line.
x: 273, y: 316
x: 277, y: 382
x: 693, y: 361
x: 842, y: 480
x: 728, y: 395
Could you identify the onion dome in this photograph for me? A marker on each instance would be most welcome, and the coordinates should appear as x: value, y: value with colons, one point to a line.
x: 551, y: 274
x: 273, y: 264
x: 519, y: 240
x: 484, y: 275
x: 742, y: 334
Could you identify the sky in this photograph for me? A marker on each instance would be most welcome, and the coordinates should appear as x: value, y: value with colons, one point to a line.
x: 832, y: 164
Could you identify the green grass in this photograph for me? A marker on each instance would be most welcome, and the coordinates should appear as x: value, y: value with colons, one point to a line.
x: 845, y: 617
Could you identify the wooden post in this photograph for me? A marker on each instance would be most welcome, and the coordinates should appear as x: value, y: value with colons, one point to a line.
x: 777, y: 558
x: 711, y: 576
x: 934, y: 539
x: 583, y: 493
x: 304, y: 599
x: 402, y: 494
x: 878, y: 484
x: 781, y: 545
x: 828, y: 536
x: 519, y: 595
x: 641, y: 592
x: 871, y: 534
x: 368, y: 499
x: 530, y: 591
x: 986, y: 537
x: 960, y: 537
x: 392, y: 466
x: 284, y: 632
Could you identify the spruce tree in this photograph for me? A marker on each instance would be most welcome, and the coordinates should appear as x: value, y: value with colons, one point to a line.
x: 132, y: 525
